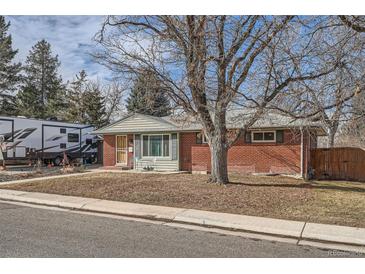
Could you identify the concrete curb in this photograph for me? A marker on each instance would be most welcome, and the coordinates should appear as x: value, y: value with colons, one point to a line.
x: 350, y: 238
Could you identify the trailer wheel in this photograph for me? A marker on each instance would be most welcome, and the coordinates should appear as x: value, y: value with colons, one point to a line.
x: 57, y: 161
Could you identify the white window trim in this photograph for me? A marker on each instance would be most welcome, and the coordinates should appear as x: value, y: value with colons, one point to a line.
x: 263, y: 132
x: 156, y: 157
x: 204, y: 138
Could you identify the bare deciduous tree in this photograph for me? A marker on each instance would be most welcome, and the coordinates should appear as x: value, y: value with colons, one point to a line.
x: 113, y: 93
x: 331, y: 97
x: 210, y: 64
x: 357, y: 23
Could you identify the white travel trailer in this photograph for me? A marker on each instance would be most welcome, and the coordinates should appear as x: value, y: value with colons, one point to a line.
x: 31, y: 139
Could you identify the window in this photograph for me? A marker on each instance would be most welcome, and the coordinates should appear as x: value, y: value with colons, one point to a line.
x: 166, y: 145
x: 201, y: 138
x: 73, y: 138
x: 62, y: 130
x: 204, y: 139
x: 156, y: 145
x: 89, y: 141
x: 62, y: 146
x: 145, y: 145
x: 263, y: 136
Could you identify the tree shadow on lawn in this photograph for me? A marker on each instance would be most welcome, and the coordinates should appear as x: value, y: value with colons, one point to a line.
x: 309, y: 185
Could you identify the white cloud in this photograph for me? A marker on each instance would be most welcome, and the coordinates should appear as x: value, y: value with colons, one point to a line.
x: 70, y: 38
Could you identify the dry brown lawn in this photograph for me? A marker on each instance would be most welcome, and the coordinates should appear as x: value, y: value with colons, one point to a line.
x: 341, y: 203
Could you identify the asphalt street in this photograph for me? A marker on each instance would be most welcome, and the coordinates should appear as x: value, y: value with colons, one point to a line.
x: 37, y: 232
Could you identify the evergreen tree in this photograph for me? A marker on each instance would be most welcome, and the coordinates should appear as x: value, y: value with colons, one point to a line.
x: 43, y: 94
x: 86, y: 104
x: 9, y: 71
x: 75, y: 93
x: 148, y: 97
x: 94, y: 105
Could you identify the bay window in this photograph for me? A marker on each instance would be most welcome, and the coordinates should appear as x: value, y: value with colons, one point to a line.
x: 156, y: 145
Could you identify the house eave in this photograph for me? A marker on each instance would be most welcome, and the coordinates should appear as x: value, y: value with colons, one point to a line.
x: 319, y: 130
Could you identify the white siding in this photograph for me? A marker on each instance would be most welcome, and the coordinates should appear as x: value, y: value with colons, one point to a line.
x: 159, y: 164
x: 163, y: 164
x: 139, y: 123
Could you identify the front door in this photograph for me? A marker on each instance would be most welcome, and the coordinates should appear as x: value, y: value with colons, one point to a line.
x: 122, y: 150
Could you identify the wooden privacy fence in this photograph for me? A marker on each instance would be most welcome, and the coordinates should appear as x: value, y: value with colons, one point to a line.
x: 340, y: 163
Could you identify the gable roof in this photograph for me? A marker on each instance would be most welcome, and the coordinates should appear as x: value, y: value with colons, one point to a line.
x: 140, y: 123
x: 137, y: 123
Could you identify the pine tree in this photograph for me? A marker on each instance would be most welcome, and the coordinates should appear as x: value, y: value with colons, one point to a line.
x: 43, y: 94
x: 86, y: 104
x: 9, y: 71
x: 148, y: 97
x: 94, y: 105
x: 75, y: 93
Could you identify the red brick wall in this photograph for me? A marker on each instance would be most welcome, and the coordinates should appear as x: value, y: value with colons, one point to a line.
x: 245, y: 157
x: 109, y: 157
x: 242, y: 157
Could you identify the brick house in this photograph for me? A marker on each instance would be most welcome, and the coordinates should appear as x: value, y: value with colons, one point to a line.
x: 274, y: 144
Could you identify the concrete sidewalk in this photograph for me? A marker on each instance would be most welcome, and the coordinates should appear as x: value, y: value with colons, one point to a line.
x: 350, y: 238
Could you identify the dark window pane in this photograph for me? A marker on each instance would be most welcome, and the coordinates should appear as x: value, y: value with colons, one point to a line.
x: 166, y: 145
x: 258, y: 136
x: 73, y: 138
x: 156, y: 145
x: 62, y: 130
x: 89, y: 141
x: 145, y: 145
x: 62, y: 145
x: 269, y: 136
x: 280, y: 136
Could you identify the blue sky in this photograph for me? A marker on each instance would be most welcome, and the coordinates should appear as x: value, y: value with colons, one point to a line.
x: 70, y: 38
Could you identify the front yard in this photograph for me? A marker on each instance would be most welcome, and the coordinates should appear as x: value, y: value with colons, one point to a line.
x: 341, y: 203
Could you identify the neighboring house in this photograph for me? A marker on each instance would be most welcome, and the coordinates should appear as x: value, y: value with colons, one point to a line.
x: 274, y: 144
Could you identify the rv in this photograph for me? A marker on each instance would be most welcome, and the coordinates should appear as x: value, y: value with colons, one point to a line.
x: 26, y: 139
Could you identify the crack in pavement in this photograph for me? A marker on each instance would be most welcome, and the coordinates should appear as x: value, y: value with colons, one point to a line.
x: 301, y: 233
x: 97, y: 200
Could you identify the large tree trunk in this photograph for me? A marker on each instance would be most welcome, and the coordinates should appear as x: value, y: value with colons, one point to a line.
x: 332, y: 134
x: 331, y: 139
x: 218, y: 151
